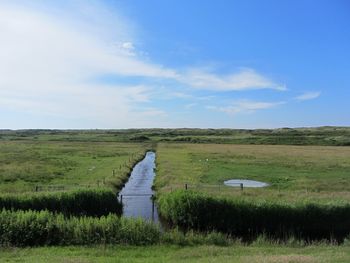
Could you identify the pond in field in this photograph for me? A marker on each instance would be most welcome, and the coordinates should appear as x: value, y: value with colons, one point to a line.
x: 246, y: 183
x: 137, y: 194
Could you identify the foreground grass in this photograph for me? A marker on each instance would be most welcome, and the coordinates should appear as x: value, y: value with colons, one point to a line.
x: 172, y: 253
x: 27, y: 164
x: 294, y: 172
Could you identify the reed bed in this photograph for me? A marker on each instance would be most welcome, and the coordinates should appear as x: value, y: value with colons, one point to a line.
x: 280, y: 219
x: 38, y: 228
x: 89, y: 202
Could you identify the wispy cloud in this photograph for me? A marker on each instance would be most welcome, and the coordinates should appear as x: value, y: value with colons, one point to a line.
x: 245, y: 106
x: 190, y: 105
x: 244, y: 79
x: 48, y: 59
x: 180, y: 95
x: 46, y: 65
x: 308, y: 96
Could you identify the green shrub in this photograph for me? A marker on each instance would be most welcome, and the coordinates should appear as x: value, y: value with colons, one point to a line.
x: 33, y: 228
x: 191, y: 210
x: 93, y: 202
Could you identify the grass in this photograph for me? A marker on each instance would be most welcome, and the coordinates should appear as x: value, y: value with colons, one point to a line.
x: 294, y: 172
x: 32, y: 228
x: 87, y: 158
x: 173, y: 253
x: 27, y: 164
x: 277, y: 220
x: 92, y: 202
x: 298, y: 136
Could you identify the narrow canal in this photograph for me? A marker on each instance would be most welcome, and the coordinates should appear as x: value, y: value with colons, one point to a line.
x: 137, y: 193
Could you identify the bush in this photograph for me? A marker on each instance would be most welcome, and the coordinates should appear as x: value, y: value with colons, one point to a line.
x: 94, y: 202
x: 33, y: 228
x: 191, y: 210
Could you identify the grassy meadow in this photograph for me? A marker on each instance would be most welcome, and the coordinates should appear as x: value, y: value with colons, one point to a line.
x: 24, y: 165
x: 302, y: 166
x: 293, y: 172
x: 255, y: 253
x: 337, y: 136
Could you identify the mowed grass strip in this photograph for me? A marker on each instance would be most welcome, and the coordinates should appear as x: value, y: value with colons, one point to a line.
x: 169, y: 253
x: 293, y: 172
x: 27, y: 164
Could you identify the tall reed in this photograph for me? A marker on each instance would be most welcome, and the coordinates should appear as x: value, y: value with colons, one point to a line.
x: 33, y: 228
x: 307, y: 220
x: 92, y: 202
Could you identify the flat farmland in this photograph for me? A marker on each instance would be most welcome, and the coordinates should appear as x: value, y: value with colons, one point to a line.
x: 293, y: 172
x: 27, y: 164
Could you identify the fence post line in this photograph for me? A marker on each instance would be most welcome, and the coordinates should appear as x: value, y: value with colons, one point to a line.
x: 241, y: 186
x: 185, y: 186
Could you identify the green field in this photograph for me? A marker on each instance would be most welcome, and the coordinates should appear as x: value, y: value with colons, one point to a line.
x: 338, y: 136
x: 301, y: 166
x: 27, y: 164
x: 164, y: 253
x: 293, y: 172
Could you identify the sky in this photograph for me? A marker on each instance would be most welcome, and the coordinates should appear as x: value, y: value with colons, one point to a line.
x: 86, y: 64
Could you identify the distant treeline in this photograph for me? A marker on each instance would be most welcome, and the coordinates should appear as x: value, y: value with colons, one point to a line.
x: 307, y: 221
x: 328, y: 135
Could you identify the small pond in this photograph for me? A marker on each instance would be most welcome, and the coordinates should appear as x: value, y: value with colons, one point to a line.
x: 246, y: 183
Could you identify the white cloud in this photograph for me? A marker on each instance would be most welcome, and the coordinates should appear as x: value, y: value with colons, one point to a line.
x: 245, y: 106
x: 308, y: 96
x: 46, y: 68
x: 245, y: 79
x: 128, y: 45
x: 49, y: 60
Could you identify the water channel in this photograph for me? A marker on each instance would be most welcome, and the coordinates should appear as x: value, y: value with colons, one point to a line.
x: 137, y: 194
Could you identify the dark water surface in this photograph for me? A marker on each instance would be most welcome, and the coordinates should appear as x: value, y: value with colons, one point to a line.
x: 137, y: 193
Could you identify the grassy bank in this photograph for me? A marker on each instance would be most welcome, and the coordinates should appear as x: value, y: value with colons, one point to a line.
x: 308, y: 196
x: 256, y: 253
x: 24, y: 165
x: 29, y: 228
x: 247, y: 219
x: 293, y: 172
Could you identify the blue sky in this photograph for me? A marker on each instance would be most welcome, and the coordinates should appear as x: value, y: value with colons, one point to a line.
x: 156, y: 63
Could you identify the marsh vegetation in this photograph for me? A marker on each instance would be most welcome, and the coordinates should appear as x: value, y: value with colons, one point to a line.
x: 50, y: 179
